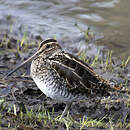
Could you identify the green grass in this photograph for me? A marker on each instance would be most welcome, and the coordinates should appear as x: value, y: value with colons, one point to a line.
x: 88, y: 34
x: 95, y: 61
x: 108, y: 64
x: 42, y: 119
x: 82, y: 56
x: 125, y: 62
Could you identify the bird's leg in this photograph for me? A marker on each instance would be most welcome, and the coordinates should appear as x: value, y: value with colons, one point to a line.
x: 67, y: 107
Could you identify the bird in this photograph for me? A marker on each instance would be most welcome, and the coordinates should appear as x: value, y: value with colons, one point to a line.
x: 64, y: 77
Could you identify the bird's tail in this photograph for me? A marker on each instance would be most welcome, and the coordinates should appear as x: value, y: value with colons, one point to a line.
x: 113, y: 86
x: 119, y: 88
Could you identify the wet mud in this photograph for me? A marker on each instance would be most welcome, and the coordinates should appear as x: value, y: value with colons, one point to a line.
x: 19, y: 89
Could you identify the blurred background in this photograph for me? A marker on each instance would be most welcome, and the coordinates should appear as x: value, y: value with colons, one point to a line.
x: 67, y: 20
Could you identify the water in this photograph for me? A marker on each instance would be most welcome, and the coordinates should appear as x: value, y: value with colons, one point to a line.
x: 109, y: 19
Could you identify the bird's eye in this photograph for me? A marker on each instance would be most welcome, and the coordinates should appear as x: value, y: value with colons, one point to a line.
x: 47, y: 46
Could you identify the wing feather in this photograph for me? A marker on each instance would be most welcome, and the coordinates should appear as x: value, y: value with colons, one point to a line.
x: 78, y: 75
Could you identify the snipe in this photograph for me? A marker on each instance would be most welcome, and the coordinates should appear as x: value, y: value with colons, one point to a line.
x: 63, y: 77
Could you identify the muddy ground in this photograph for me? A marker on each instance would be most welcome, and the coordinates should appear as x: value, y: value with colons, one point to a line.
x: 19, y: 89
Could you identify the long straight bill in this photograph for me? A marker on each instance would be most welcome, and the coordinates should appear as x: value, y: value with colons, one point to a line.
x: 19, y: 66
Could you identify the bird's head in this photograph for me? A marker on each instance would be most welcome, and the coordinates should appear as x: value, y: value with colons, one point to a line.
x: 46, y: 49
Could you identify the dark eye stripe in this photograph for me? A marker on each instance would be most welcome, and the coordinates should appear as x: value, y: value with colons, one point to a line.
x: 47, y: 41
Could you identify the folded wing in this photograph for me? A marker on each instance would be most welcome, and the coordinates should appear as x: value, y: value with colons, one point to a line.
x: 79, y: 76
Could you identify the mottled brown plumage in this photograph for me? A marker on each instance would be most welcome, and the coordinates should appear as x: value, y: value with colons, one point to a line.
x: 63, y: 77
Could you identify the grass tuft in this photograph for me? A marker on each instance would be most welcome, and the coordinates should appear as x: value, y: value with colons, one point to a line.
x: 108, y: 64
x: 125, y: 63
x: 95, y: 61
